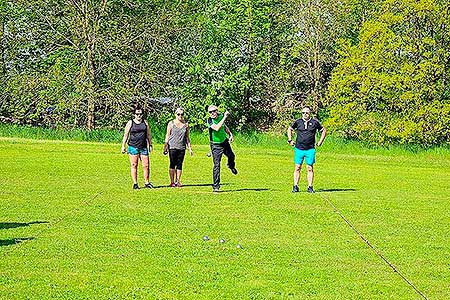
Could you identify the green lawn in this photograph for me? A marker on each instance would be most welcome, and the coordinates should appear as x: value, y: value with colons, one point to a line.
x: 72, y: 228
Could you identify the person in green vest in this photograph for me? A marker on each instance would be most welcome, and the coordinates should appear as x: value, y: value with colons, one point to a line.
x: 220, y: 138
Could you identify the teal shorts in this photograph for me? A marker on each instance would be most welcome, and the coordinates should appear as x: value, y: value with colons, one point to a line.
x: 137, y: 151
x: 308, y: 155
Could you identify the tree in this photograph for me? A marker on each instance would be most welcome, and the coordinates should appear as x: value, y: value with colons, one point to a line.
x: 88, y: 58
x: 392, y: 86
x: 2, y: 33
x: 313, y: 29
x: 233, y: 60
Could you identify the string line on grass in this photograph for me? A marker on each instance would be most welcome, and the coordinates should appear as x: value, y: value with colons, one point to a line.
x: 373, y: 247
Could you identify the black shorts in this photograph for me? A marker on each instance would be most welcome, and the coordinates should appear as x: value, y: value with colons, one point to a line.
x: 176, y: 157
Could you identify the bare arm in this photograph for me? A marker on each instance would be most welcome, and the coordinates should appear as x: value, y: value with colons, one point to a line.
x: 166, y: 140
x: 322, y: 136
x: 188, y: 140
x: 289, y: 134
x: 149, y: 137
x: 125, y: 135
x: 230, y: 135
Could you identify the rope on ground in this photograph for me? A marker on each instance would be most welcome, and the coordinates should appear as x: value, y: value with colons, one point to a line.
x: 373, y: 248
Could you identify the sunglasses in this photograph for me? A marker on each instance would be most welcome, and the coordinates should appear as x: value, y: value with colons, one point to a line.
x: 179, y: 114
x: 305, y: 112
x: 138, y: 114
x: 213, y: 111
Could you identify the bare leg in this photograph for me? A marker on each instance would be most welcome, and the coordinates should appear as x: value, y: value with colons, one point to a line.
x: 172, y: 175
x: 297, y: 173
x: 179, y: 177
x: 310, y: 175
x: 145, y: 167
x: 133, y: 167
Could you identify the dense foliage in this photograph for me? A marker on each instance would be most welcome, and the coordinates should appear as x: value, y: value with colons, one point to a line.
x: 393, y: 85
x: 85, y: 63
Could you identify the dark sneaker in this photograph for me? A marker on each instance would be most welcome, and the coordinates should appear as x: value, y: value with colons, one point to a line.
x: 135, y: 186
x: 149, y: 186
x: 233, y: 170
x: 173, y: 184
x: 310, y: 189
x: 295, y: 189
x: 215, y: 189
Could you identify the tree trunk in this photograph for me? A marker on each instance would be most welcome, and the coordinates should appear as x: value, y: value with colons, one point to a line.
x: 2, y: 42
x: 248, y: 90
x: 92, y: 95
x: 88, y: 15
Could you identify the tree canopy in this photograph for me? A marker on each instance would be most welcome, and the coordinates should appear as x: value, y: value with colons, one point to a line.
x: 371, y: 70
x: 392, y: 86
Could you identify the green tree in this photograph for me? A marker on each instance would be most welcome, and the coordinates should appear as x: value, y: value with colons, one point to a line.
x: 392, y: 86
x: 312, y: 31
x: 2, y: 34
x: 232, y: 60
x: 90, y: 60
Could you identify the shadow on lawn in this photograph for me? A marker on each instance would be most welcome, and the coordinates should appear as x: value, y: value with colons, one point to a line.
x: 9, y: 225
x: 245, y: 189
x: 15, y: 225
x: 188, y: 185
x: 334, y: 190
x: 10, y: 242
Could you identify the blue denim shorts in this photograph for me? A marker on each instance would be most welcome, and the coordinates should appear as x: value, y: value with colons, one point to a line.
x: 137, y: 151
x: 308, y: 155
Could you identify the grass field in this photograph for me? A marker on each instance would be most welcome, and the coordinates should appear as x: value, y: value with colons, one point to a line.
x: 72, y: 228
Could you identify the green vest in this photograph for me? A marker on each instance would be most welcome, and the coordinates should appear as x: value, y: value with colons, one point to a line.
x: 220, y: 135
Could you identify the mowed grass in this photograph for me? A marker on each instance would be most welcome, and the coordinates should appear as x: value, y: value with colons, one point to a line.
x: 72, y: 228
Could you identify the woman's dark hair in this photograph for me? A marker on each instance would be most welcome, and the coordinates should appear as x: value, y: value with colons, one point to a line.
x: 137, y: 107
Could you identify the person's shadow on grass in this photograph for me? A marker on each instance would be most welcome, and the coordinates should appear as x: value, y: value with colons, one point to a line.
x: 221, y: 191
x: 244, y: 189
x: 16, y: 225
x: 10, y: 242
x: 10, y: 225
x: 187, y: 185
x: 334, y: 190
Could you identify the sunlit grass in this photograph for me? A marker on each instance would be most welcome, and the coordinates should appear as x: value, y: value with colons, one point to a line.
x: 72, y: 228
